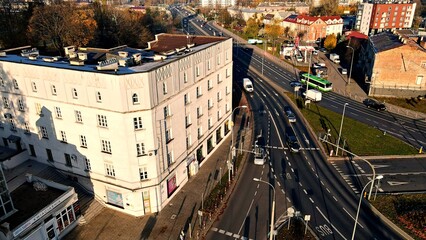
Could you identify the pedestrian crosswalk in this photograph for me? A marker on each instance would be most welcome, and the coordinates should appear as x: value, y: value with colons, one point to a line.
x: 230, y: 234
x: 345, y: 177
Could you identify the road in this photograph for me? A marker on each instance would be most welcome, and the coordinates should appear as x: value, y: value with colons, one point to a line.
x: 402, y: 175
x: 311, y: 185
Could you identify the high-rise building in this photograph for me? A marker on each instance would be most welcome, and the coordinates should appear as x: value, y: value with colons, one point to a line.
x: 377, y: 16
x: 130, y: 125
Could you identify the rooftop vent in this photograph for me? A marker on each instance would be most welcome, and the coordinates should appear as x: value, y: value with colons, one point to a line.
x: 137, y: 57
x: 72, y: 55
x: 109, y: 64
x: 2, y: 54
x: 123, y: 54
x: 123, y: 62
x: 76, y: 62
x: 28, y: 52
x: 82, y: 56
x: 190, y: 45
x: 50, y: 59
x: 69, y: 49
x: 33, y: 56
x: 159, y: 57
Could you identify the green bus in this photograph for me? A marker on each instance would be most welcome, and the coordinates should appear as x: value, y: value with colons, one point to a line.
x: 316, y: 82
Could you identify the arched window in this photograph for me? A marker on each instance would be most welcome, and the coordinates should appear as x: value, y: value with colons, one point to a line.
x: 135, y: 98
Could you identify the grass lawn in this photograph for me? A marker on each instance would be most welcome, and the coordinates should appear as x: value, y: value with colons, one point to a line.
x: 359, y: 138
x: 414, y: 104
x: 408, y: 211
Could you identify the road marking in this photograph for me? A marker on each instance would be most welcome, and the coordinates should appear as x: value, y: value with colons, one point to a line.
x: 397, y: 183
x: 292, y: 169
x: 279, y: 184
x: 288, y: 199
x: 335, y: 199
x: 328, y: 190
x: 300, y: 183
x: 380, y: 166
x: 255, y: 193
x: 352, y: 217
x: 305, y: 191
x: 322, y: 183
x: 312, y: 201
x: 330, y: 223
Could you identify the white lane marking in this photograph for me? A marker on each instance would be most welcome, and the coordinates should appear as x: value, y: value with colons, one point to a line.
x: 305, y: 191
x: 344, y: 209
x: 251, y: 204
x: 335, y: 199
x: 330, y: 223
x: 328, y: 190
x: 312, y: 201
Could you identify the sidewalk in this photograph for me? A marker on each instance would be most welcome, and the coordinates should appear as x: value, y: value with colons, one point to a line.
x: 181, y: 210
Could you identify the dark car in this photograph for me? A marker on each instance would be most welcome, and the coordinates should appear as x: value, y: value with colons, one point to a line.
x: 373, y: 103
x: 290, y: 115
x: 295, y: 84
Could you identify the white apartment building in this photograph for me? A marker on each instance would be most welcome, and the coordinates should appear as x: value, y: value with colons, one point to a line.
x: 213, y: 3
x: 130, y: 125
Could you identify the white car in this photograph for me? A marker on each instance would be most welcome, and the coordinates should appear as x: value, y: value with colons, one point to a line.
x: 344, y: 71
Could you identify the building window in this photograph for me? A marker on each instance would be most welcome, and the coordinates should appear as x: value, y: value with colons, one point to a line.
x: 106, y: 146
x: 199, y: 92
x: 68, y: 162
x: 208, y: 65
x: 186, y: 99
x: 185, y: 77
x: 102, y: 121
x: 109, y: 170
x: 210, y: 103
x: 227, y: 90
x: 21, y: 104
x: 170, y: 159
x: 188, y: 120
x: 199, y: 112
x: 27, y: 127
x: 49, y: 155
x: 38, y: 108
x: 419, y: 79
x: 32, y: 150
x: 2, y: 83
x: 74, y: 93
x: 78, y: 117
x: 227, y: 73
x: 197, y: 71
x: 227, y: 108
x: 98, y: 97
x: 169, y: 135
x: 219, y: 114
x: 83, y: 142
x: 58, y: 112
x: 15, y: 84
x: 200, y: 132
x: 34, y: 86
x: 87, y: 166
x: 209, y: 123
x: 65, y: 218
x: 219, y: 96
x: 12, y: 125
x: 43, y: 132
x: 164, y: 88
x: 140, y: 149
x: 423, y: 64
x: 209, y: 84
x: 6, y: 102
x: 63, y: 136
x: 188, y: 142
x: 167, y: 112
x: 219, y: 79
x: 135, y: 98
x: 137, y: 123
x: 143, y: 173
x: 53, y: 89
x: 218, y: 59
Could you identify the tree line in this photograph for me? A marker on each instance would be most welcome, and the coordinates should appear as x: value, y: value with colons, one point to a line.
x: 59, y: 24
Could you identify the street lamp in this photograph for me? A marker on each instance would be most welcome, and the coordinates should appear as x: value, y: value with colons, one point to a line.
x: 352, y: 60
x: 359, y: 203
x: 271, y: 233
x: 341, y: 125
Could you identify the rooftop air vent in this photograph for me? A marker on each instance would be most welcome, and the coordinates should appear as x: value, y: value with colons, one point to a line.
x: 123, y: 54
x: 82, y: 56
x: 69, y: 49
x: 137, y: 57
x: 72, y: 55
x: 159, y: 57
x: 2, y: 54
x: 28, y: 52
x: 33, y: 56
x: 76, y: 62
x: 190, y: 45
x: 109, y: 64
x: 50, y: 59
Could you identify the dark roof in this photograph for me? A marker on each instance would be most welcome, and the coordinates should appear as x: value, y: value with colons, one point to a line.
x: 385, y: 41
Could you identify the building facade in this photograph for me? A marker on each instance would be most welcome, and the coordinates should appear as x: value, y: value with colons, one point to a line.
x: 377, y: 16
x: 130, y: 125
x: 214, y: 3
x: 313, y: 27
x: 393, y: 66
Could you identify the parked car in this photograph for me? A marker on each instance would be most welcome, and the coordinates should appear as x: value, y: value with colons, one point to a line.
x: 344, y: 71
x: 373, y: 103
x: 295, y: 84
x: 289, y: 114
x: 315, y: 52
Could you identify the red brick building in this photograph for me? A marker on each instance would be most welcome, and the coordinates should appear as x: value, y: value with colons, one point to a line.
x: 313, y: 27
x: 374, y: 17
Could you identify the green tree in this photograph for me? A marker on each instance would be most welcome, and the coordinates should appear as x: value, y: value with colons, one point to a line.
x: 252, y: 27
x: 330, y: 42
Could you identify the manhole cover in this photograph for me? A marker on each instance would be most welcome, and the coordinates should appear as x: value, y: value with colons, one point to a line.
x: 173, y: 216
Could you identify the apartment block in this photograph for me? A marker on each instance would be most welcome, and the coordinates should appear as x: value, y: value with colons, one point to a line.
x: 378, y: 16
x: 131, y: 125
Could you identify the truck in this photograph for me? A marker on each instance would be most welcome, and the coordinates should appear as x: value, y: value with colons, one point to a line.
x: 248, y: 85
x: 313, y: 95
x: 335, y: 58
